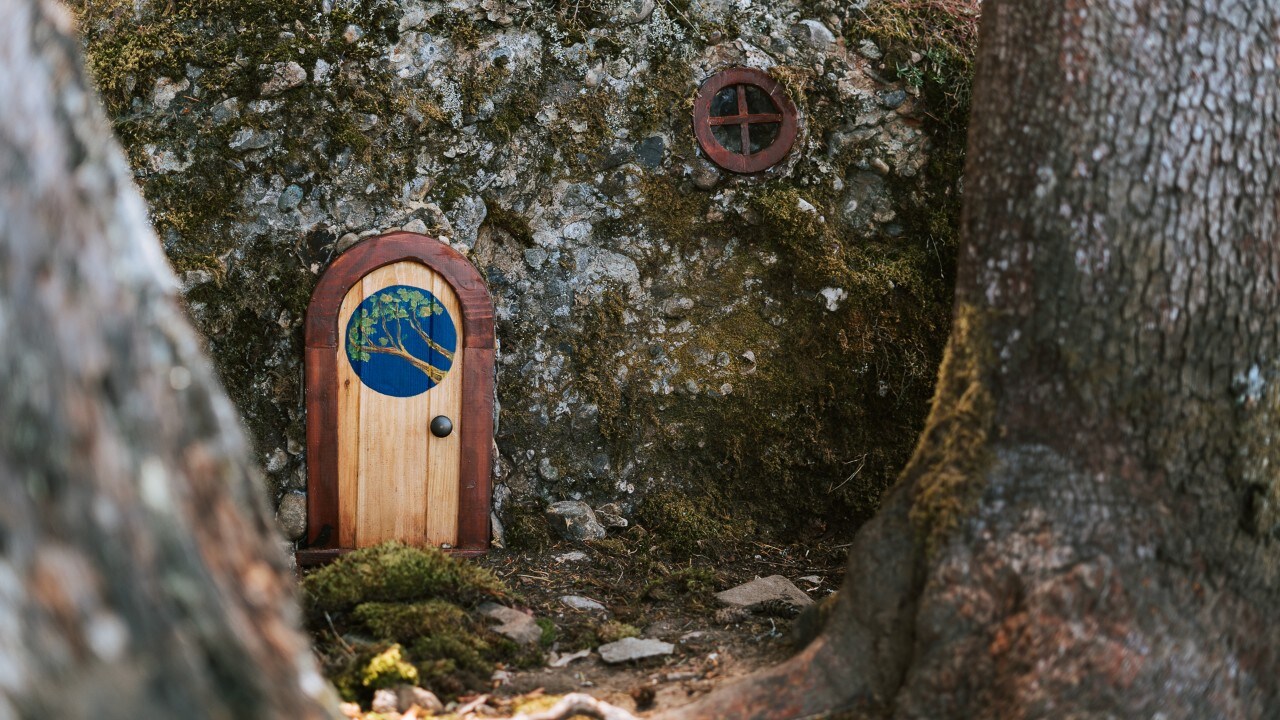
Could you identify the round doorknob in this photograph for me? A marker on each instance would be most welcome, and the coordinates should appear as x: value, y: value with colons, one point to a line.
x: 441, y: 426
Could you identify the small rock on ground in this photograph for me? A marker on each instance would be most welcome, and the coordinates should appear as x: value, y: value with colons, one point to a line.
x: 610, y: 515
x: 575, y: 520
x: 633, y: 649
x: 577, y: 602
x: 385, y: 702
x: 766, y: 591
x: 560, y: 661
x: 407, y: 696
x: 515, y: 625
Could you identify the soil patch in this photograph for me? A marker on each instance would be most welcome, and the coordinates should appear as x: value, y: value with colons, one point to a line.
x: 641, y: 591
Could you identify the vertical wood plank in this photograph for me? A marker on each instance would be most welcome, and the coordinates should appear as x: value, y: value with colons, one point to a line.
x: 445, y: 453
x: 477, y: 443
x: 348, y: 438
x: 322, y: 449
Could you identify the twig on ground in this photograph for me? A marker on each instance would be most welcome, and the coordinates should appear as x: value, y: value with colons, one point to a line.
x: 462, y: 711
x: 338, y: 635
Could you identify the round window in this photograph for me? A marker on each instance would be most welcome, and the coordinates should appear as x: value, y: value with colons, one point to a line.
x: 744, y: 120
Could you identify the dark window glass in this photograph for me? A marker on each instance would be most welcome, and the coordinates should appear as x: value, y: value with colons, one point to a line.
x: 725, y: 102
x: 758, y: 102
x: 730, y: 136
x: 763, y: 135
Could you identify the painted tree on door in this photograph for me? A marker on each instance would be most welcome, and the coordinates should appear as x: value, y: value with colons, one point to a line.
x: 401, y: 341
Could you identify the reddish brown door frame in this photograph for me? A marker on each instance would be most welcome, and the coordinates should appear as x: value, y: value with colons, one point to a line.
x: 476, y: 425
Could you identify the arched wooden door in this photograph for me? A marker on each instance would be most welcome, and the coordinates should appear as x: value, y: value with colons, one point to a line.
x: 400, y: 363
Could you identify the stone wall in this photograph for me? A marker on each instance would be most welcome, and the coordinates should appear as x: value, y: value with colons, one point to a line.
x: 717, y: 355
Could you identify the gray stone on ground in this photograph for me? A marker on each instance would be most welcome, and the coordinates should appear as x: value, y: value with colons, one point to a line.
x: 577, y: 602
x: 408, y: 696
x: 575, y: 520
x: 559, y: 661
x: 628, y: 649
x: 385, y: 702
x: 514, y: 625
x: 292, y: 515
x: 574, y: 556
x: 767, y: 591
x: 610, y: 515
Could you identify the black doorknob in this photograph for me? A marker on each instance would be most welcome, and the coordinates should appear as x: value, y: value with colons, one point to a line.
x: 441, y: 426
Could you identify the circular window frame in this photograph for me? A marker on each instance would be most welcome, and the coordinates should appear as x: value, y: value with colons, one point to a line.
x: 789, y: 124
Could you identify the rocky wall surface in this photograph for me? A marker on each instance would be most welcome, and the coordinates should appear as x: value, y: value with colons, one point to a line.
x: 714, y: 355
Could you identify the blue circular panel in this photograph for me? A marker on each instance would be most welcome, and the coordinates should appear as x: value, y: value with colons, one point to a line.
x: 401, y: 341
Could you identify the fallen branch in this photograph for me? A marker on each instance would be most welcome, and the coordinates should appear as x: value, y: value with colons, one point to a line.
x: 580, y: 704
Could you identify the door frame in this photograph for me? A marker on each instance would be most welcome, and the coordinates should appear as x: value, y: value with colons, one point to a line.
x: 476, y: 421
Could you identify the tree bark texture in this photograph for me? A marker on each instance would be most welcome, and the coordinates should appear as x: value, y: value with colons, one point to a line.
x: 1089, y: 525
x: 140, y: 574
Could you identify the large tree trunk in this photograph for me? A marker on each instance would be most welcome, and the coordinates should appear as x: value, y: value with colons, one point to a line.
x: 140, y: 575
x: 1089, y: 524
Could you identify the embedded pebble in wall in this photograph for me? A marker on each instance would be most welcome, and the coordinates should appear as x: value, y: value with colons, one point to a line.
x: 814, y: 33
x: 547, y: 470
x: 650, y: 151
x: 289, y: 198
x: 284, y: 76
x: 292, y: 515
x: 832, y: 297
x: 166, y: 89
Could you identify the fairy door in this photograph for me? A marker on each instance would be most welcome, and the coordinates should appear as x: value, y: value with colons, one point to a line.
x: 399, y: 397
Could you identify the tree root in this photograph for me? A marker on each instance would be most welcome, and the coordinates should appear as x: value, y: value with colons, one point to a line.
x: 859, y: 660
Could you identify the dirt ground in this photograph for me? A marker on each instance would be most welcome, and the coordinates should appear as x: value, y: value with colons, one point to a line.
x: 646, y: 590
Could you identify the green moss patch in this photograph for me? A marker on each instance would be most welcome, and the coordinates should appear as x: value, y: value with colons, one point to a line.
x: 942, y: 34
x: 394, y: 614
x: 393, y: 572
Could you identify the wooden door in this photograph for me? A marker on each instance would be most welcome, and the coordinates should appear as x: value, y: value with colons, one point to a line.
x: 401, y: 359
x: 399, y: 332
